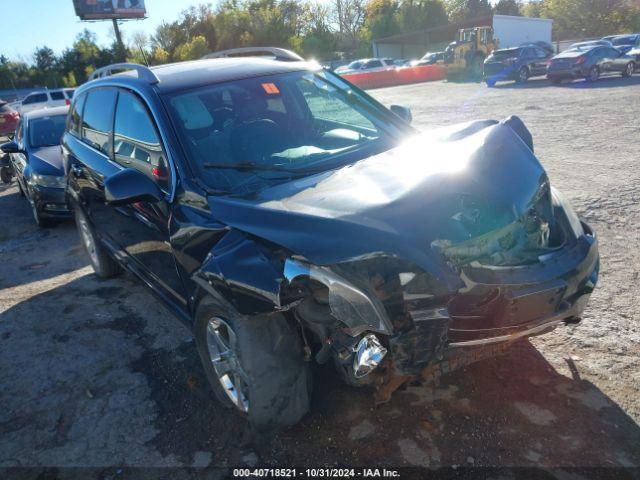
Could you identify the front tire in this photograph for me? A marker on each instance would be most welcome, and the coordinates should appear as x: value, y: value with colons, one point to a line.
x: 39, y: 219
x: 255, y: 365
x: 523, y: 75
x: 103, y: 265
x: 628, y: 69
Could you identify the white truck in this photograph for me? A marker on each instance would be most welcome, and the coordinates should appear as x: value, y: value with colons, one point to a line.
x: 513, y: 31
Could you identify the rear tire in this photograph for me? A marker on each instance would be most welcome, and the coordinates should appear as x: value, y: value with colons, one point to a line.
x: 628, y: 69
x: 103, y: 265
x: 594, y: 74
x: 267, y: 361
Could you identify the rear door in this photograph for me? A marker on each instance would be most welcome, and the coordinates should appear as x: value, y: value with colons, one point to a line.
x: 541, y: 60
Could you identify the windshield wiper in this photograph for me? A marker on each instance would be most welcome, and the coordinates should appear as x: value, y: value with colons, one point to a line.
x: 249, y: 166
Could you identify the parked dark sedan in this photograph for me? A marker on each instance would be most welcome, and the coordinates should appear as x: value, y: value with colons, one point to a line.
x: 299, y: 220
x: 517, y: 64
x: 590, y: 64
x: 37, y: 163
x: 624, y: 43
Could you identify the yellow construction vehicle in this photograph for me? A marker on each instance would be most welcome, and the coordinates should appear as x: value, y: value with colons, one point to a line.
x: 465, y: 56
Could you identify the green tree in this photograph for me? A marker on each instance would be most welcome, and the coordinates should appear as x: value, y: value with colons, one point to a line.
x: 467, y: 9
x: 421, y: 14
x: 508, y: 7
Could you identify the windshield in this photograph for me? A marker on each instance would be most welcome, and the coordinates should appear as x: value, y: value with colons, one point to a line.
x: 504, y: 54
x: 355, y: 65
x: 243, y: 134
x: 46, y: 131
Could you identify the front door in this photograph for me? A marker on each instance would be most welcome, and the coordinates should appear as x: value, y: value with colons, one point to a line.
x: 142, y: 229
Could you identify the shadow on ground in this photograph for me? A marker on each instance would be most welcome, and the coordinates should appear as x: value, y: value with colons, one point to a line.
x: 94, y: 377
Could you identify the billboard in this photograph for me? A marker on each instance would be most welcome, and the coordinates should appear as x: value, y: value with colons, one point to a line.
x: 105, y: 9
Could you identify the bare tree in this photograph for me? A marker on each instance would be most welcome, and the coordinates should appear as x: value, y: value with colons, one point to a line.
x: 348, y: 16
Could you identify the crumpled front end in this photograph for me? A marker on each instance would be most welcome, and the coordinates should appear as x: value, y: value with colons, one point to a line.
x: 417, y: 256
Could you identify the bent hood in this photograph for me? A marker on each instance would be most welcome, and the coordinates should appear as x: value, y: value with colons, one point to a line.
x: 449, y: 185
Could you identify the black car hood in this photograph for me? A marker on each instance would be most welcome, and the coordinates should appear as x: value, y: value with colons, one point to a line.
x: 48, y: 160
x: 451, y: 184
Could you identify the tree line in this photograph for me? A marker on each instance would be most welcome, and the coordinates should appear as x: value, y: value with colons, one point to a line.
x: 339, y: 29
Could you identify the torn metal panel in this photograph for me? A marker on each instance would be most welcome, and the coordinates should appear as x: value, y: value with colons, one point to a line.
x: 358, y: 310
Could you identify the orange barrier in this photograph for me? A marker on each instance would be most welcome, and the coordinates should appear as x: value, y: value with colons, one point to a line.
x: 396, y: 76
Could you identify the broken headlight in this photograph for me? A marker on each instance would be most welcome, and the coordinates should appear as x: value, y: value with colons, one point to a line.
x: 560, y: 201
x: 358, y: 310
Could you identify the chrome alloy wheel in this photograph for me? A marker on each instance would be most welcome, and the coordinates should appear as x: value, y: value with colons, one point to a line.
x: 221, y: 344
x: 629, y: 69
x: 87, y: 239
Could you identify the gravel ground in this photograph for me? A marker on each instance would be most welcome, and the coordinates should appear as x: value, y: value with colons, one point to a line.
x: 98, y: 374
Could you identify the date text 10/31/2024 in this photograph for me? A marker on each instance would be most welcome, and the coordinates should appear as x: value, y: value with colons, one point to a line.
x: 315, y: 473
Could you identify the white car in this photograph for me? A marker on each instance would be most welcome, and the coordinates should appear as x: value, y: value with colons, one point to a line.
x: 45, y: 99
x: 367, y: 65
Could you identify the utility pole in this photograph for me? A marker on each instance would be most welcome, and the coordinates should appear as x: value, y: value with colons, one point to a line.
x: 116, y: 29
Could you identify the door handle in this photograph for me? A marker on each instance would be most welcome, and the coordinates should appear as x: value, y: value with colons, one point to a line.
x: 76, y: 169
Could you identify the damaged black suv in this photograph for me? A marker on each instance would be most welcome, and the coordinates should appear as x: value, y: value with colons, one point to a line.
x: 288, y: 217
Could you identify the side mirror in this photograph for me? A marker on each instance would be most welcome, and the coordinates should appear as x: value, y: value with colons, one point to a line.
x: 403, y: 112
x: 11, y: 147
x: 130, y: 186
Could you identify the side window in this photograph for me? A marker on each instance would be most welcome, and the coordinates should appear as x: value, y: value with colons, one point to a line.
x: 136, y: 140
x: 35, y: 98
x: 373, y: 64
x: 540, y: 53
x: 330, y: 107
x: 97, y: 119
x: 75, y: 116
x: 56, y: 95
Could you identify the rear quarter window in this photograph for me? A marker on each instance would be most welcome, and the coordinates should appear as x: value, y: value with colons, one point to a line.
x: 57, y: 95
x: 75, y: 116
x: 37, y: 98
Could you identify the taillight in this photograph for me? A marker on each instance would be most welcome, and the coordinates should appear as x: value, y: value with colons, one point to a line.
x: 67, y: 101
x: 580, y: 60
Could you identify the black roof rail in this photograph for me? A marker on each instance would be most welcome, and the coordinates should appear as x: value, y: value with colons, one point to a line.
x: 144, y: 72
x: 278, y: 53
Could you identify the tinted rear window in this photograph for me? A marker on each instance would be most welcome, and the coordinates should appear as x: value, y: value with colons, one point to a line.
x: 97, y: 119
x: 76, y: 115
x: 57, y: 95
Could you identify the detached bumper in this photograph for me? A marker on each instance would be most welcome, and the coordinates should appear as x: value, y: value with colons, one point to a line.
x: 502, y: 304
